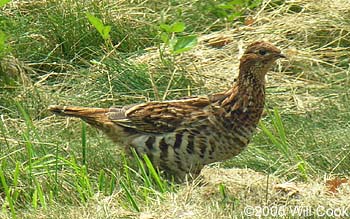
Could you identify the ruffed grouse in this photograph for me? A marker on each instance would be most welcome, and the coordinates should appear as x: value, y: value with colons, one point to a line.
x: 181, y: 136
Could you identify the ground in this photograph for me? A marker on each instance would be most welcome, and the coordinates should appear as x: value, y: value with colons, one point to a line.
x: 296, y: 165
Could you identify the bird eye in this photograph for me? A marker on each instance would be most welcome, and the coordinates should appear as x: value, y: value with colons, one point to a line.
x: 262, y: 52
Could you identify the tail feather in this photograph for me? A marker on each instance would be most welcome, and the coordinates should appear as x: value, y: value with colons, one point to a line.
x: 94, y: 116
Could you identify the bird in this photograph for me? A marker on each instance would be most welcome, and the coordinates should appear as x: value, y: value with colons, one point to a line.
x: 181, y: 136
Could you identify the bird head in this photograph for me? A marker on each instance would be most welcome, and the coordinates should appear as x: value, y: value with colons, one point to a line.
x: 258, y: 59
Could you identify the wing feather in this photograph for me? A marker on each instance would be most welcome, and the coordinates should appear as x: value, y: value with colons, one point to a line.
x: 161, y: 117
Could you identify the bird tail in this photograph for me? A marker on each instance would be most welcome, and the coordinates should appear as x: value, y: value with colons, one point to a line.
x: 94, y: 116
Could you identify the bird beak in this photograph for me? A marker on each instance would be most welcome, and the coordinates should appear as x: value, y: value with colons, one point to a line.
x: 280, y: 55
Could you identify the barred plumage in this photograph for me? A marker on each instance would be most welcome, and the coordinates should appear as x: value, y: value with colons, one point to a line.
x: 181, y: 136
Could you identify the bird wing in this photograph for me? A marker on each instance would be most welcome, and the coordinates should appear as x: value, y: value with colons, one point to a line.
x: 160, y: 117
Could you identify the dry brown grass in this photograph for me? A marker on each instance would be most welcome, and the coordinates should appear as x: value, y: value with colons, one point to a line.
x: 202, y: 198
x: 316, y: 40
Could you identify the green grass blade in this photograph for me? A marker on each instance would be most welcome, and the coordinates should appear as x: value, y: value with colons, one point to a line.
x: 279, y: 125
x: 15, y: 181
x: 29, y: 148
x: 7, y: 191
x: 279, y: 145
x: 141, y: 166
x: 83, y: 141
x: 112, y: 182
x: 130, y: 197
x: 4, y: 2
x: 35, y: 199
x: 101, y: 180
x: 28, y: 121
x: 56, y: 171
x: 154, y: 173
x: 39, y: 195
x: 126, y: 172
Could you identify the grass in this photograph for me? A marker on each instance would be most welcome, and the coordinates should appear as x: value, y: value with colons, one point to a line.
x: 53, y: 53
x: 313, y: 147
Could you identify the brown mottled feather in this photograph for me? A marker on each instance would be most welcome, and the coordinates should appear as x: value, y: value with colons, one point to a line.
x: 181, y: 136
x: 160, y: 117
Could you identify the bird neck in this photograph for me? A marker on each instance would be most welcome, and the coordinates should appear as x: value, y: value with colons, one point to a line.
x: 252, y: 73
x: 251, y: 87
x: 243, y: 95
x: 250, y: 94
x: 244, y: 101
